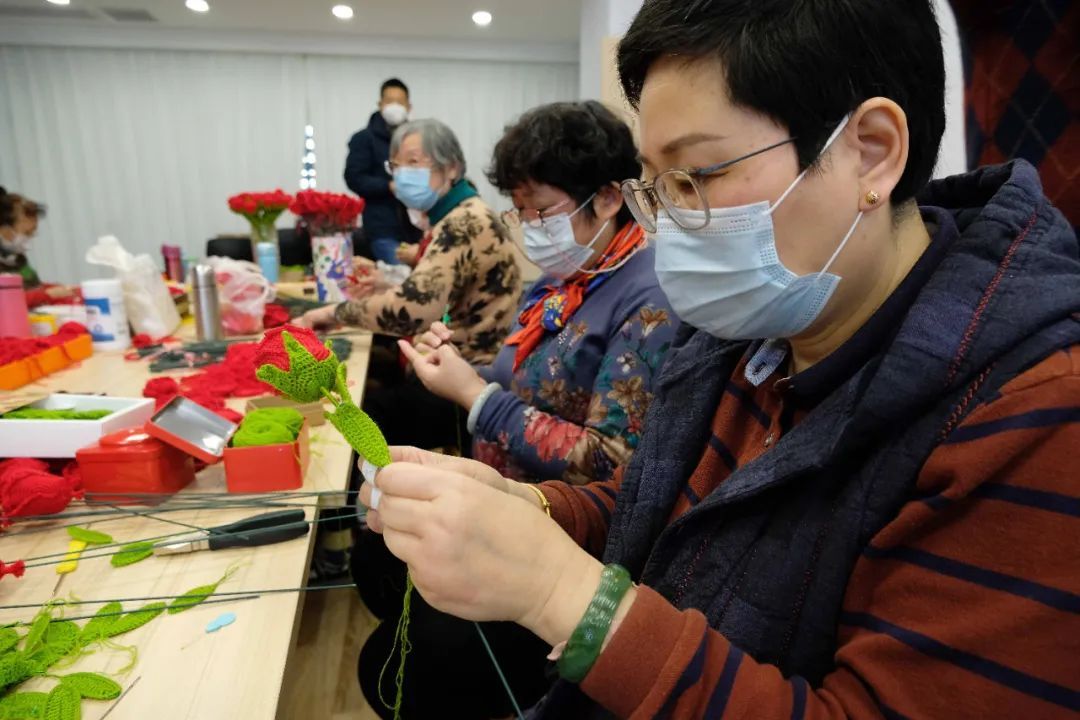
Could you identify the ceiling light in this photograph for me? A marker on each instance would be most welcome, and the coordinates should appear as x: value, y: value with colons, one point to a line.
x: 342, y: 12
x: 60, y: 2
x: 482, y: 18
x: 197, y: 5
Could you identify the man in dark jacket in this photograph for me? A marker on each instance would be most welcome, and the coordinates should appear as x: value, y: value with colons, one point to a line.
x: 365, y: 173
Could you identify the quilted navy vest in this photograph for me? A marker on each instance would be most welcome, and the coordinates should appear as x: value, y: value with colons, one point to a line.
x: 767, y: 556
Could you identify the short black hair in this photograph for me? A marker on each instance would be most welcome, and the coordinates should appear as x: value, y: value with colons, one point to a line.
x: 393, y: 83
x: 807, y: 63
x: 578, y: 147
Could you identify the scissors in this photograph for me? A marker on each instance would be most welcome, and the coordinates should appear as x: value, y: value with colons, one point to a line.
x: 265, y: 529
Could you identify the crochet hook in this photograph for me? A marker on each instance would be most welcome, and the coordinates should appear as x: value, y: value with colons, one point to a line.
x: 262, y: 529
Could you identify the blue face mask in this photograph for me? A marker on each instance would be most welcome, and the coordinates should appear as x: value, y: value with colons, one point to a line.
x: 728, y: 280
x: 412, y: 186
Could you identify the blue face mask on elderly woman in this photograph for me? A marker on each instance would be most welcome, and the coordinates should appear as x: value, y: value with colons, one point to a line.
x: 412, y: 186
x: 728, y: 279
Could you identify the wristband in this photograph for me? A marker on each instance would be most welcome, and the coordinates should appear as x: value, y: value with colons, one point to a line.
x: 478, y: 405
x: 588, y: 637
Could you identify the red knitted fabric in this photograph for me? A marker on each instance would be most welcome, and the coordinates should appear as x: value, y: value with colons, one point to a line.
x: 275, y: 316
x: 142, y: 340
x: 16, y: 568
x: 26, y: 489
x: 72, y: 329
x: 271, y: 350
x: 162, y: 390
x: 73, y: 475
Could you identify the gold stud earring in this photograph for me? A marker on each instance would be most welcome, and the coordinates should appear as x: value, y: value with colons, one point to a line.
x: 872, y: 198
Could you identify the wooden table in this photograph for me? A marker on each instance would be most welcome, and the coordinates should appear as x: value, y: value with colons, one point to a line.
x: 181, y: 671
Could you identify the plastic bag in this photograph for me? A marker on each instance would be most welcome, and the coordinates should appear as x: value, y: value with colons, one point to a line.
x: 244, y: 294
x: 150, y: 308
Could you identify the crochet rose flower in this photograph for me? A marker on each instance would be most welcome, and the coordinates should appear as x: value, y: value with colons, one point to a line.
x: 293, y: 361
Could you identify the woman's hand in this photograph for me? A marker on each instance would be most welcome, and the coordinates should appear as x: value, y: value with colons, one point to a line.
x: 484, y: 474
x: 318, y: 318
x: 444, y: 372
x: 482, y: 554
x: 437, y: 336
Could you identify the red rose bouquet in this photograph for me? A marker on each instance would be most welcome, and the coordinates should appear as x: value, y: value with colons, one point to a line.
x: 327, y: 213
x: 262, y: 211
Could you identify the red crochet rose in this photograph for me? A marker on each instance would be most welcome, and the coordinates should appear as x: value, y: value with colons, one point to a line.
x: 271, y: 350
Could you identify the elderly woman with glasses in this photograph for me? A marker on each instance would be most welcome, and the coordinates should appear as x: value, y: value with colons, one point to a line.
x: 467, y: 272
x: 565, y: 398
x: 857, y: 494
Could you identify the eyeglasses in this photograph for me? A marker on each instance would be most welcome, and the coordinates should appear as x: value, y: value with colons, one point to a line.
x: 391, y: 166
x: 514, y: 218
x: 680, y: 193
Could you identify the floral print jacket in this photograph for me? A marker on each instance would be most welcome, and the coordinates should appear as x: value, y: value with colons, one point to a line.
x: 575, y: 407
x: 470, y: 267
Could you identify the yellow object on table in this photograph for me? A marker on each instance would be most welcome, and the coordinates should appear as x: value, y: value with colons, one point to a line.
x: 71, y: 560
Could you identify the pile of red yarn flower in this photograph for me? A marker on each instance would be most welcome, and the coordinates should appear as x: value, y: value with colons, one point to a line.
x: 29, y: 488
x: 233, y: 377
x: 17, y: 348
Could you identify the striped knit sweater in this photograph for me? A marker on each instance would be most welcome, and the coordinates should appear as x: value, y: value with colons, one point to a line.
x: 966, y: 605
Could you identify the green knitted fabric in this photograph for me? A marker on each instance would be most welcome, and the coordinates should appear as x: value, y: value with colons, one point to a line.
x: 268, y: 426
x: 306, y: 382
x: 287, y: 416
x: 307, y: 377
x: 42, y: 414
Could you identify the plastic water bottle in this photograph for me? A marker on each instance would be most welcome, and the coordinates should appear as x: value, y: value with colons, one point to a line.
x: 267, y: 255
x: 105, y: 314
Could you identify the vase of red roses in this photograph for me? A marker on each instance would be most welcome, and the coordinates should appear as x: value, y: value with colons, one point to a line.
x: 261, y: 209
x: 330, y: 218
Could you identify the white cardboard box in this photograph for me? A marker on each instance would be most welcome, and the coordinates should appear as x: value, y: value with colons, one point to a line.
x: 61, y: 438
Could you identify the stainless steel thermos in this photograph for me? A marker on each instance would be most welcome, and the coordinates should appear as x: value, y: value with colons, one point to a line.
x: 205, y: 305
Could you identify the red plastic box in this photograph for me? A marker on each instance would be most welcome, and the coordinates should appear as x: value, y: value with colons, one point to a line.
x: 131, y: 461
x: 268, y: 468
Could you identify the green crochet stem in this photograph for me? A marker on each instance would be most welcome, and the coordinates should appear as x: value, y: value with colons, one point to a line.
x: 309, y: 380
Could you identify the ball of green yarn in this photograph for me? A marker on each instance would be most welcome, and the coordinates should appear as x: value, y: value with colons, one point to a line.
x: 262, y: 432
x: 287, y: 416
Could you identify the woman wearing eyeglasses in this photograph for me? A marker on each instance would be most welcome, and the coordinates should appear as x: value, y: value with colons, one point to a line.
x: 858, y: 490
x: 565, y: 398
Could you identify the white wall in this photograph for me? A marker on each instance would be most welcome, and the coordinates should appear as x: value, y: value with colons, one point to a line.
x: 148, y: 144
x: 600, y: 19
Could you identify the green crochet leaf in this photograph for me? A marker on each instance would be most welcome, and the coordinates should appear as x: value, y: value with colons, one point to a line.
x: 63, y: 703
x: 37, y: 630
x: 23, y: 706
x: 60, y: 639
x: 131, y: 554
x: 135, y: 619
x: 306, y: 378
x: 361, y: 432
x: 14, y: 668
x: 194, y: 596
x: 9, y: 638
x: 90, y: 537
x: 92, y: 685
x: 97, y: 627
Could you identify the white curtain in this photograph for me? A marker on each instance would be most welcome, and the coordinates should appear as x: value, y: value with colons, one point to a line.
x: 147, y: 145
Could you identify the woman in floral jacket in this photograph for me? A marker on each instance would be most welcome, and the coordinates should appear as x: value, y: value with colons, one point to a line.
x: 566, y: 396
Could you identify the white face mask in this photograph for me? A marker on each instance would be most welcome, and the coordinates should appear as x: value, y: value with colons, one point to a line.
x: 395, y: 114
x: 728, y: 280
x: 554, y: 248
x: 18, y: 244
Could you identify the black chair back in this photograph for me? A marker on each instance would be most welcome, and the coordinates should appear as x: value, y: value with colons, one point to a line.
x: 236, y: 247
